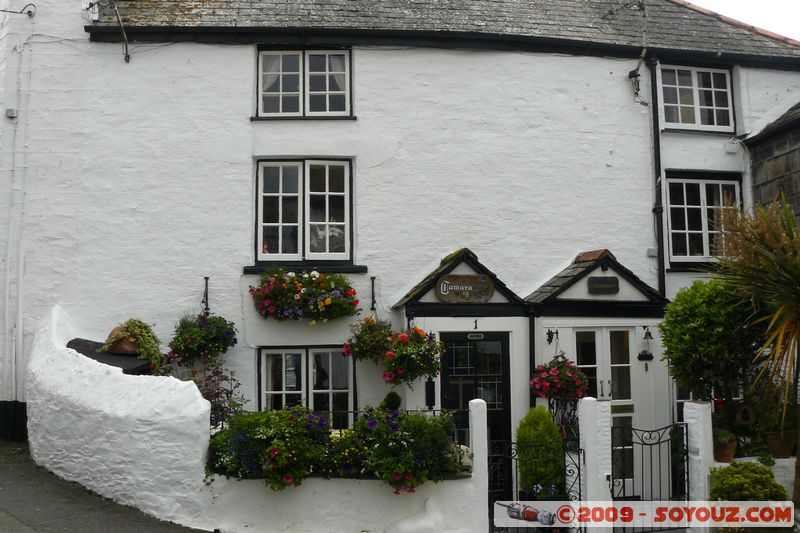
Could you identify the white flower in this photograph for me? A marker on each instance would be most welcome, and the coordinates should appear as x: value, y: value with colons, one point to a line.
x: 303, y: 290
x: 290, y: 274
x: 305, y: 274
x: 314, y: 274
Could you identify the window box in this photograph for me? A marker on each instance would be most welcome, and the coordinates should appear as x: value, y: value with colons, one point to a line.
x: 694, y: 206
x: 304, y: 83
x: 696, y: 98
x: 304, y: 211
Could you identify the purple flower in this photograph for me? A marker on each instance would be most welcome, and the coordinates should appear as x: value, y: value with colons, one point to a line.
x: 372, y: 423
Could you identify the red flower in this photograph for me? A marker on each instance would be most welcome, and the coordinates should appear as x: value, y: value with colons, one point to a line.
x: 348, y: 350
x: 350, y: 292
x: 389, y: 355
x: 403, y: 337
x: 401, y: 370
x: 288, y: 479
x: 409, y: 475
x: 397, y: 476
x: 274, y: 452
x: 356, y: 302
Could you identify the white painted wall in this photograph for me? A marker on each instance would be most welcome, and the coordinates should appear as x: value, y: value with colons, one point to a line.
x: 139, y: 178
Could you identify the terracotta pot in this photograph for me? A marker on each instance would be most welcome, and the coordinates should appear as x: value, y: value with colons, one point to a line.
x: 724, y: 451
x: 123, y: 346
x: 781, y: 443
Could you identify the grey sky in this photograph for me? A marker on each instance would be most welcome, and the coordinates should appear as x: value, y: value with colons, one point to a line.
x: 780, y: 16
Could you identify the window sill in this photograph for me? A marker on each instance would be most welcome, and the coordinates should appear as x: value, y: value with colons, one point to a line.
x: 326, y: 268
x: 697, y: 267
x: 692, y: 131
x: 270, y: 119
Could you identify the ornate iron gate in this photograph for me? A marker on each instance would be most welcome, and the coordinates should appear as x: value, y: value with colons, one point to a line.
x: 649, y: 465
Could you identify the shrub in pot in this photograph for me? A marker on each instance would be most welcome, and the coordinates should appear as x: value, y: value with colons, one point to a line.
x: 540, y: 452
x: 724, y: 445
x: 201, y: 337
x: 136, y: 337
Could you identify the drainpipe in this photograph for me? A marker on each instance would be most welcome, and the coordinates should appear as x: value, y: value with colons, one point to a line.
x: 658, y: 206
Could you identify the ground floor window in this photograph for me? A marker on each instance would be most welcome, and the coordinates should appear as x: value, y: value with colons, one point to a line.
x: 319, y: 378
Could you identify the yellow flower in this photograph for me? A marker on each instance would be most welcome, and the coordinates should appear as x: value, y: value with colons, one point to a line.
x: 328, y: 301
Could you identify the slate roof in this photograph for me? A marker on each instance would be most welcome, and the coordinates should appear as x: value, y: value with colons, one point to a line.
x: 790, y: 119
x: 584, y: 263
x: 670, y: 24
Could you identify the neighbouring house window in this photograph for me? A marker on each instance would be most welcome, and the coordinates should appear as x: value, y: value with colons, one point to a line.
x: 694, y: 211
x: 319, y: 378
x: 304, y: 83
x: 304, y: 210
x: 696, y: 98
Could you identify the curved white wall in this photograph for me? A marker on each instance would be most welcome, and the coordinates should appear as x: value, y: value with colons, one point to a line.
x: 139, y: 440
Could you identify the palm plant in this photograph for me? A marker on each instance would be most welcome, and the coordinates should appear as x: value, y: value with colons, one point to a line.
x: 760, y: 257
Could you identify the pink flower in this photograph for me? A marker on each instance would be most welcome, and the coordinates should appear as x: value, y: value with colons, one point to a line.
x: 544, y: 374
x: 273, y: 452
x: 553, y: 371
x: 348, y: 350
x: 288, y: 479
x: 401, y: 370
x: 409, y: 475
x: 539, y: 367
x: 397, y: 476
x: 579, y: 394
x: 388, y: 376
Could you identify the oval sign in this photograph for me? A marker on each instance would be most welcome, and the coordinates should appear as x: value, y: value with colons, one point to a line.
x: 464, y: 289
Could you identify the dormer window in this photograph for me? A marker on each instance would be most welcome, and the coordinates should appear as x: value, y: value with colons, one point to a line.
x: 696, y: 98
x: 304, y: 83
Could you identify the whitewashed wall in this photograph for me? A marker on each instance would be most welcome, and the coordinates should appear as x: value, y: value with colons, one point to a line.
x: 138, y: 178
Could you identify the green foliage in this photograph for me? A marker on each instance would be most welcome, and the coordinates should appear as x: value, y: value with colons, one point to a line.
x: 202, y: 336
x: 219, y: 387
x: 411, y: 355
x: 391, y: 402
x: 368, y: 339
x: 723, y: 436
x: 745, y: 482
x: 282, y: 446
x: 282, y: 295
x: 141, y: 334
x: 285, y: 446
x: 406, y: 451
x: 541, y: 454
x: 708, y: 341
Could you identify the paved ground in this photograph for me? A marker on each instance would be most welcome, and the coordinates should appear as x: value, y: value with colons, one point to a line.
x: 32, y: 500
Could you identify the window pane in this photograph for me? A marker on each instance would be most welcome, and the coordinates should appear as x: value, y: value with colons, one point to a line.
x: 461, y: 359
x: 316, y: 83
x: 687, y: 115
x: 317, y: 178
x: 316, y: 63
x: 686, y: 97
x: 290, y: 180
x: 291, y: 62
x: 289, y: 240
x: 291, y: 83
x: 585, y: 348
x: 336, y: 82
x: 293, y: 376
x: 706, y: 98
x: 729, y: 195
x: 488, y: 355
x: 317, y: 213
x: 696, y: 244
x: 620, y: 347
x: 335, y: 208
x: 293, y: 399
x: 340, y: 379
x: 707, y: 116
x: 678, y: 218
x: 271, y: 179
x: 668, y: 76
x: 270, y: 209
x: 721, y: 99
x: 704, y: 79
x: 322, y: 402
x: 274, y: 372
x: 272, y: 83
x: 591, y: 375
x: 322, y: 370
x: 274, y: 402
x: 269, y: 244
x: 317, y: 235
x: 692, y: 194
x: 621, y: 382
x: 270, y: 63
x: 712, y: 194
x: 336, y: 102
x: 336, y: 62
x: 336, y: 178
x: 678, y: 244
x: 290, y: 213
x: 317, y: 102
x: 712, y: 217
x: 291, y: 104
x: 670, y: 114
x: 270, y: 104
x: 720, y: 81
x: 685, y: 78
x: 670, y: 95
x: 341, y: 402
x: 694, y: 219
x: 723, y: 117
x: 676, y: 193
x: 336, y: 239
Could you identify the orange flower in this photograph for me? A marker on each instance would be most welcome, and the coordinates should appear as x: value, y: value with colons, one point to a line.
x: 369, y: 321
x: 419, y: 331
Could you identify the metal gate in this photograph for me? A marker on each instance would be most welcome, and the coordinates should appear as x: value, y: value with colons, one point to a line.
x: 649, y: 465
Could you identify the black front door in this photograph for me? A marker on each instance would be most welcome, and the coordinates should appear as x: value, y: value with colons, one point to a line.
x: 476, y: 365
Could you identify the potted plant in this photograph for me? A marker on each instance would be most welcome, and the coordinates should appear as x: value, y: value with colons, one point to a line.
x: 369, y: 339
x: 724, y: 445
x: 540, y: 452
x: 563, y: 384
x: 776, y: 421
x: 201, y: 337
x: 411, y: 355
x: 311, y: 296
x: 135, y: 337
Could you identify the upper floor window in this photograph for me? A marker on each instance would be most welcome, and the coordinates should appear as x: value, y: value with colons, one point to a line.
x: 303, y: 83
x: 304, y: 210
x: 695, y: 209
x: 696, y: 98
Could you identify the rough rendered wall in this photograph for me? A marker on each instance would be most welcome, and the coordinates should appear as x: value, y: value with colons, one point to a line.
x: 776, y: 169
x: 139, y: 440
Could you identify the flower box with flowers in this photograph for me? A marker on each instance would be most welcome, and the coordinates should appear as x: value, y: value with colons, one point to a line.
x: 560, y: 378
x: 405, y: 356
x: 308, y: 296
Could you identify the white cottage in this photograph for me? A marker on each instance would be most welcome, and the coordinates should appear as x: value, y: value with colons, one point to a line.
x: 571, y: 153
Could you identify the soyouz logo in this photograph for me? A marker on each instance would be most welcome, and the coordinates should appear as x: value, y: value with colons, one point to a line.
x: 662, y: 514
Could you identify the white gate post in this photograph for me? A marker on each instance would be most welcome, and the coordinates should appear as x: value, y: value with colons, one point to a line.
x: 595, y: 429
x: 700, y: 447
